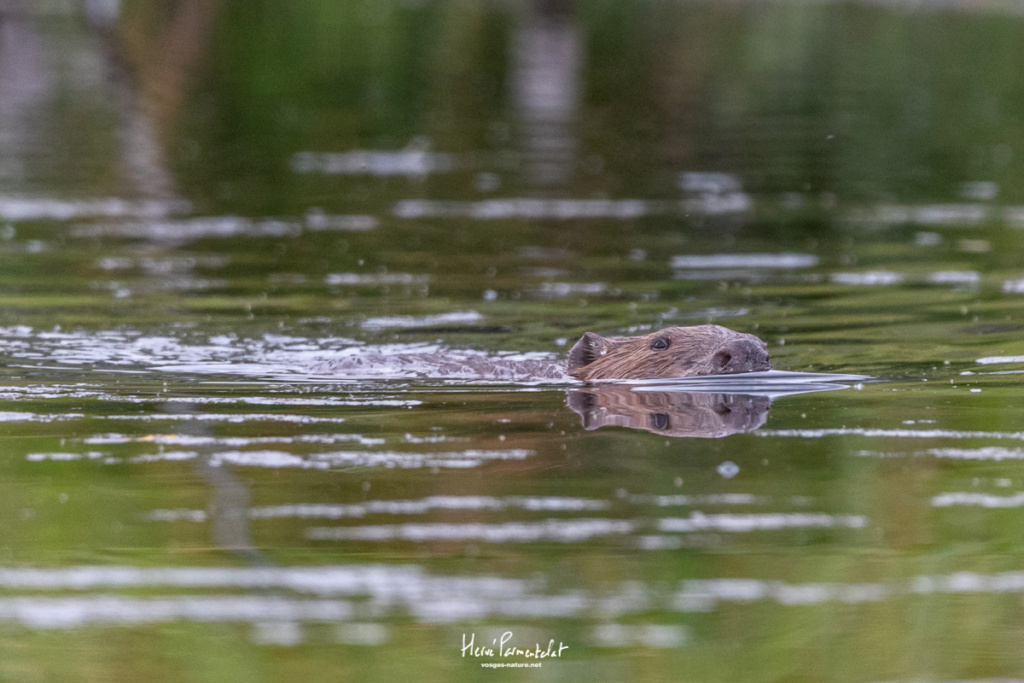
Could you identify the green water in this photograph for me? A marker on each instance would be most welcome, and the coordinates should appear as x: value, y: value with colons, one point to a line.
x: 204, y: 206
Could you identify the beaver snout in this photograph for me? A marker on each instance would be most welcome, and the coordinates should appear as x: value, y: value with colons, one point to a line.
x: 741, y: 355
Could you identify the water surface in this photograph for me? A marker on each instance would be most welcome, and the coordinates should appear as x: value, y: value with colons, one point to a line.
x: 202, y: 209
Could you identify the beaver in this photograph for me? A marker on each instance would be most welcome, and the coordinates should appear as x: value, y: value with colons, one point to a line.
x: 668, y: 353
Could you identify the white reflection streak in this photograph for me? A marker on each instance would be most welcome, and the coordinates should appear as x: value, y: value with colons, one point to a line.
x: 955, y: 277
x: 386, y: 459
x: 213, y: 227
x: 989, y: 453
x: 889, y: 433
x: 698, y: 521
x: 554, y: 209
x: 230, y: 441
x: 421, y: 506
x: 783, y: 260
x: 648, y: 635
x: 321, y: 580
x: 244, y: 418
x: 274, y: 459
x: 679, y: 500
x: 404, y: 321
x: 414, y: 161
x: 409, y: 589
x: 992, y: 360
x: 358, y: 279
x: 984, y: 500
x: 562, y: 531
x: 62, y: 613
x: 12, y: 416
x: 704, y: 595
x: 870, y: 278
x: 563, y: 289
x: 40, y: 208
x: 395, y: 507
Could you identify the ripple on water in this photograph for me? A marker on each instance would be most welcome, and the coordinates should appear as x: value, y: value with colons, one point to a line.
x: 149, y: 351
x: 274, y: 459
x: 397, y: 507
x: 889, y: 433
x: 753, y: 261
x: 43, y: 208
x: 283, y: 357
x: 736, y: 523
x: 232, y: 441
x: 190, y: 229
x: 558, y: 530
x: 869, y: 278
x: 414, y: 161
x: 984, y: 500
x: 408, y: 589
x: 405, y: 321
x: 534, y: 209
x: 993, y: 453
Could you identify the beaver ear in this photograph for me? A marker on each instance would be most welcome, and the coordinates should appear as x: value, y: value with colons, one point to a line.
x: 586, y: 351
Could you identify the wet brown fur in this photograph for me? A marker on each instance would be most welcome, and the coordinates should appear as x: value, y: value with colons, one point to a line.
x: 687, y: 352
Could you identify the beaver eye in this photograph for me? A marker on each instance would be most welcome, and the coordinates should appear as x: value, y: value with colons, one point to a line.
x: 660, y: 344
x: 660, y: 421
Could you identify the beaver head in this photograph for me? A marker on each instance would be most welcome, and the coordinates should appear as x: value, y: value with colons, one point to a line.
x: 672, y: 352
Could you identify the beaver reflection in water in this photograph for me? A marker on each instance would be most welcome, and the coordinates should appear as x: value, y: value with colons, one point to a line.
x: 668, y: 353
x: 670, y: 413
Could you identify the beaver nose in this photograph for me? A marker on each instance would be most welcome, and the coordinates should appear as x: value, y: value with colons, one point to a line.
x: 741, y: 355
